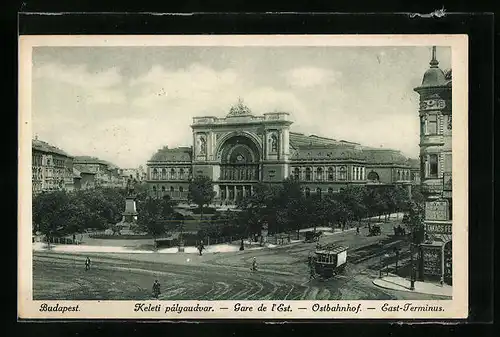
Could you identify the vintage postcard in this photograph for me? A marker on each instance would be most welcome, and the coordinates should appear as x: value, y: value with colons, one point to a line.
x: 270, y: 177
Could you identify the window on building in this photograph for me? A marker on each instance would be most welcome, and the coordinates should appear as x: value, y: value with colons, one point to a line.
x: 432, y: 125
x: 296, y: 173
x: 342, y: 173
x: 330, y: 190
x: 308, y: 192
x: 433, y: 166
x: 319, y: 173
x: 154, y: 190
x: 373, y: 176
x: 172, y: 189
x: 399, y: 175
x: 181, y: 173
x: 172, y: 174
x: 308, y: 174
x: 163, y: 174
x: 318, y: 192
x: 163, y: 190
x: 155, y: 174
x: 330, y: 174
x: 181, y: 189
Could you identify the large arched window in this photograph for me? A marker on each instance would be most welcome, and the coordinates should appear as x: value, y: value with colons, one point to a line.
x: 181, y: 173
x: 399, y: 175
x: 296, y: 173
x: 373, y: 176
x: 319, y: 173
x: 342, y: 173
x: 308, y: 192
x: 163, y: 174
x: 330, y: 174
x: 308, y: 173
x: 172, y: 174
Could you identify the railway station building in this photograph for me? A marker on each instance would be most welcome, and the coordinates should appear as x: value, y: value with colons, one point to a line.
x: 242, y: 149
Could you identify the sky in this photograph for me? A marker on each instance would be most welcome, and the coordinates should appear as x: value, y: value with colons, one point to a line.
x: 122, y: 104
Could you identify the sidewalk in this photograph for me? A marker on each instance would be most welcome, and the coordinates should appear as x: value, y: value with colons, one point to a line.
x: 398, y: 283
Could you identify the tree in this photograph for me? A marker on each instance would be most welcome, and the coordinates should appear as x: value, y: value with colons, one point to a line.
x: 259, y: 208
x: 54, y: 213
x: 201, y: 192
x: 150, y: 218
x: 415, y: 222
x: 353, y: 197
x: 374, y: 202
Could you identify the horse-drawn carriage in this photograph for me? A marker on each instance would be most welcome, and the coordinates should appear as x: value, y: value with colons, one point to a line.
x: 327, y: 261
x: 374, y: 230
x: 399, y: 231
x: 313, y: 236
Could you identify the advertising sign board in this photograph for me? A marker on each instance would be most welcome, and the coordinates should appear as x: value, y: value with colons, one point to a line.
x: 437, y: 210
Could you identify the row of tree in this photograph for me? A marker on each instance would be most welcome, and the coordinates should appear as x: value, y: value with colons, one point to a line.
x: 276, y: 207
x: 285, y: 207
x: 60, y: 213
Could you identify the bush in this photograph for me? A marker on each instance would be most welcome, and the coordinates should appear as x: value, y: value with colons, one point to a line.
x: 206, y: 210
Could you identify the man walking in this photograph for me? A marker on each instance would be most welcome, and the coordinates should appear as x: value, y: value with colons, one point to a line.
x: 254, y: 264
x: 156, y: 289
x: 87, y: 264
x: 357, y: 230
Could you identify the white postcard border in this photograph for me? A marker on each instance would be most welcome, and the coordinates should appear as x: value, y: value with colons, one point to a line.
x: 455, y: 308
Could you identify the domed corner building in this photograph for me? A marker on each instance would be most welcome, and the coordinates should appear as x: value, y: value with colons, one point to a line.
x: 242, y: 149
x: 435, y: 112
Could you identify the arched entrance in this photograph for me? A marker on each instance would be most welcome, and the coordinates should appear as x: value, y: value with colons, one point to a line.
x: 239, y: 167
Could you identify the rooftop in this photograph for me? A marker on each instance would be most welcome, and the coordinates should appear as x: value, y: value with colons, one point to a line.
x: 178, y: 154
x: 93, y: 160
x: 82, y: 169
x: 42, y: 146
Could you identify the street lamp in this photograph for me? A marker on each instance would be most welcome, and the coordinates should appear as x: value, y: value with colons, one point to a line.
x: 396, y: 252
x: 412, y: 272
x: 382, y: 267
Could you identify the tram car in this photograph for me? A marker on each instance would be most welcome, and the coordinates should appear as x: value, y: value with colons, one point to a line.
x: 328, y: 261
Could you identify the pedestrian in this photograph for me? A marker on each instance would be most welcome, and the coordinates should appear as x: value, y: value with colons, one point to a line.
x: 156, y: 289
x: 254, y: 264
x: 74, y: 238
x: 87, y: 264
x: 357, y: 230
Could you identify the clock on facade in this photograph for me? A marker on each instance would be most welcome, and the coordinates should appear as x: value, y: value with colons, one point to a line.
x: 431, y: 104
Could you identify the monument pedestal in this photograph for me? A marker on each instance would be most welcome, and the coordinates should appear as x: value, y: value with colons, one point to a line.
x: 130, y: 214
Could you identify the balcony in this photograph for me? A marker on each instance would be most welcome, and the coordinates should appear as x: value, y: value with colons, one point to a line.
x: 426, y: 140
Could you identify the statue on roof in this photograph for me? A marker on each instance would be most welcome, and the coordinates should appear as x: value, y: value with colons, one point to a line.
x: 239, y: 109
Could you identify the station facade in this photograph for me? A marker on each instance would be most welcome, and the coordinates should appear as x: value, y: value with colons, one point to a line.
x: 243, y: 149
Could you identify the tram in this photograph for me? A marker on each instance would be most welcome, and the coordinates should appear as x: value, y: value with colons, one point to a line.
x: 328, y: 260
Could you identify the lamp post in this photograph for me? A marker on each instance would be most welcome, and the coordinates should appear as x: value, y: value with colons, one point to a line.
x: 412, y: 272
x: 380, y: 269
x: 396, y: 252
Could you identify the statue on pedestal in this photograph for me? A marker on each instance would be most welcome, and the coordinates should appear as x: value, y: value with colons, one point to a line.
x: 131, y: 182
